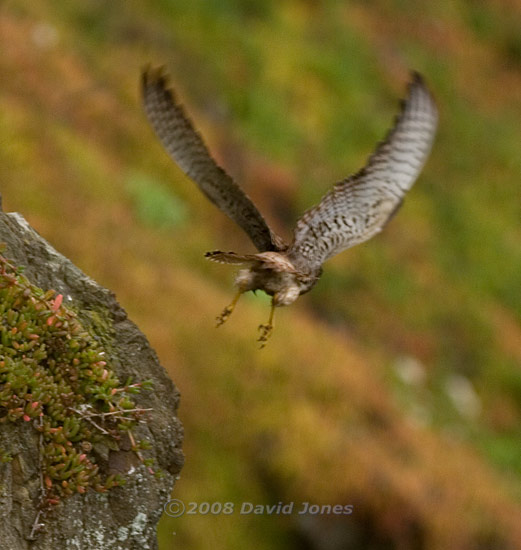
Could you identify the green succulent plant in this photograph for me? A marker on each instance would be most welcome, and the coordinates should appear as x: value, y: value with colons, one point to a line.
x: 57, y: 376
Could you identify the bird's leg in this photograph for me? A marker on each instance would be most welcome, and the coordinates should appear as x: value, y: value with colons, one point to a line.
x: 227, y: 311
x: 267, y: 329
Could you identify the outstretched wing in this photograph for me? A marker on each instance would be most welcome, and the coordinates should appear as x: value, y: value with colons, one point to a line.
x: 187, y: 149
x: 359, y: 207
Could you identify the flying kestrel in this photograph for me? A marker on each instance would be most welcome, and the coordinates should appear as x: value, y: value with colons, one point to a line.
x: 352, y: 212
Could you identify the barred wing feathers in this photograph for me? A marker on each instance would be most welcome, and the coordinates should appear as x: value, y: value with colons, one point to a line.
x: 359, y: 207
x: 186, y: 147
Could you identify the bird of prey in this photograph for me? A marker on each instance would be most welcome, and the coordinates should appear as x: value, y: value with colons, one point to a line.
x: 354, y: 210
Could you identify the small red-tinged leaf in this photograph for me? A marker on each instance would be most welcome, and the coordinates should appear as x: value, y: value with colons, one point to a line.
x: 27, y: 418
x: 80, y: 489
x: 82, y: 457
x: 50, y: 320
x: 57, y: 302
x: 34, y: 404
x: 114, y: 391
x: 48, y: 482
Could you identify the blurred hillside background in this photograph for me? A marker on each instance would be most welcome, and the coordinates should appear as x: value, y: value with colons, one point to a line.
x: 395, y: 385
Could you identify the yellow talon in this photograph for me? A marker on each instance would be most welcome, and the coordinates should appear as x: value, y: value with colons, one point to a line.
x: 266, y: 329
x: 227, y: 311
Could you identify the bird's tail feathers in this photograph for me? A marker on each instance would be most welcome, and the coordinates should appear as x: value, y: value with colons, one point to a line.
x: 230, y: 257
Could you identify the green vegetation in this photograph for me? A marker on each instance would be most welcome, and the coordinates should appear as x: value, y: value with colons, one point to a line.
x: 291, y: 96
x: 153, y: 204
x: 54, y: 375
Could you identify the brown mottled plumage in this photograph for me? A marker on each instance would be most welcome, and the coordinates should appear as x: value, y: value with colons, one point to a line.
x: 356, y: 209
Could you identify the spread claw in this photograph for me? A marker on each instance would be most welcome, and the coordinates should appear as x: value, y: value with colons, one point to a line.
x: 223, y: 317
x: 266, y: 331
x: 227, y: 311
